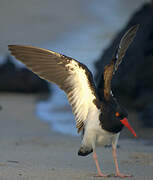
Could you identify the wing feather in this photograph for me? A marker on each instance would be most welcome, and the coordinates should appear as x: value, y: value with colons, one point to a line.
x: 112, y: 67
x: 124, y: 44
x: 70, y: 75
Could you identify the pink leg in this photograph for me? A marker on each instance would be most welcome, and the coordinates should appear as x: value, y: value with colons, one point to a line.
x: 100, y: 174
x: 118, y: 174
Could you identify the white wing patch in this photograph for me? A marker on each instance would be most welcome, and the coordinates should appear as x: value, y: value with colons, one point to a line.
x: 81, y: 97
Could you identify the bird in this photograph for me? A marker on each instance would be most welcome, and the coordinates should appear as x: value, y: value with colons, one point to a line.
x: 99, y: 117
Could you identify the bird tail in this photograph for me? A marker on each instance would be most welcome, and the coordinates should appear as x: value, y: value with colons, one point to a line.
x: 84, y: 151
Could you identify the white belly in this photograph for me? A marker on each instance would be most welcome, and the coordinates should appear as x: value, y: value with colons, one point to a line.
x: 94, y: 135
x: 104, y: 138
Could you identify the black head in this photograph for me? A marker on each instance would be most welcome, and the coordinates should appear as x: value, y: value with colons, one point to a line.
x: 111, y: 115
x: 114, y: 117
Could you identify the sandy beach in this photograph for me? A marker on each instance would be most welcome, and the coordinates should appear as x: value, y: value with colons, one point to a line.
x: 30, y: 150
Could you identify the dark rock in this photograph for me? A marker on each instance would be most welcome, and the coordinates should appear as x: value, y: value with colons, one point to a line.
x: 133, y: 83
x: 14, y: 79
x: 147, y: 115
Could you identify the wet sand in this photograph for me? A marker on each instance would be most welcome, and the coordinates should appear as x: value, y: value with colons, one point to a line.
x: 30, y: 150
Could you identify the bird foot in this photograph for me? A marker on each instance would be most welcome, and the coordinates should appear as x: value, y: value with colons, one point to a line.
x: 102, y: 175
x: 118, y: 174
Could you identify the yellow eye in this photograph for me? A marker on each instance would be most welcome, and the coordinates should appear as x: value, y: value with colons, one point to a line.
x: 117, y: 114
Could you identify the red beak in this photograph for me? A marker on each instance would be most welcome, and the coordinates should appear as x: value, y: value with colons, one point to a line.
x: 125, y: 122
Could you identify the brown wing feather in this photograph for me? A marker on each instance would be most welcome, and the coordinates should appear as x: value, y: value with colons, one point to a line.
x: 70, y: 75
x: 110, y: 69
x: 124, y: 44
x: 108, y: 74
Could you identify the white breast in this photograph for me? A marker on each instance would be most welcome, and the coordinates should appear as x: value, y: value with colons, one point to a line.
x: 94, y: 134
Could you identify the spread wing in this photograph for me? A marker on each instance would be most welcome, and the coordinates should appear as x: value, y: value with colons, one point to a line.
x: 124, y: 44
x: 70, y: 75
x: 112, y: 67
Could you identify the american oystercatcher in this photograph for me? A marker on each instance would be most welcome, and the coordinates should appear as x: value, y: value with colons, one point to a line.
x: 99, y: 117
